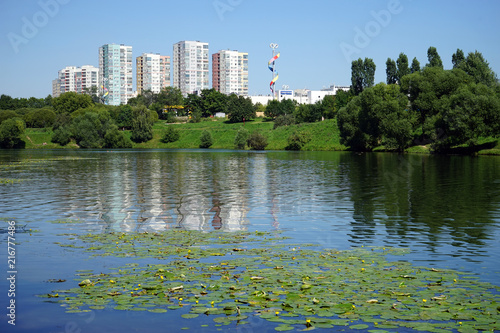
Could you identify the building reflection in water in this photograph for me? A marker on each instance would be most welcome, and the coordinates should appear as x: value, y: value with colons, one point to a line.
x: 161, y: 191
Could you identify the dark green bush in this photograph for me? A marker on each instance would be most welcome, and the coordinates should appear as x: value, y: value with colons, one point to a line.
x: 297, y: 140
x: 11, y: 131
x: 114, y: 138
x: 257, y: 141
x: 62, y: 136
x: 142, y: 124
x: 170, y: 135
x: 206, y: 139
x: 241, y: 138
x: 284, y: 120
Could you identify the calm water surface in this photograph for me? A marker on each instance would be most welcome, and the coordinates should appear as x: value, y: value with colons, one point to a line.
x: 446, y: 209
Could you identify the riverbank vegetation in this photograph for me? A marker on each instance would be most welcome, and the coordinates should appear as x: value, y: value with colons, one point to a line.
x: 418, y: 110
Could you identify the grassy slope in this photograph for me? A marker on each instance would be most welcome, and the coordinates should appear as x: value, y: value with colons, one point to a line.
x: 323, y: 136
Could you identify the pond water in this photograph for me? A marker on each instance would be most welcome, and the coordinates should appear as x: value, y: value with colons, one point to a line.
x: 445, y: 209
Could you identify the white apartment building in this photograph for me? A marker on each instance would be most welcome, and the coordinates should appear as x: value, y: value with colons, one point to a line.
x: 115, y: 73
x: 230, y: 72
x: 75, y: 79
x: 153, y: 72
x: 190, y: 72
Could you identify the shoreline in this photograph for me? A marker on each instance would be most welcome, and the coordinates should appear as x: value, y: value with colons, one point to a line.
x: 322, y: 136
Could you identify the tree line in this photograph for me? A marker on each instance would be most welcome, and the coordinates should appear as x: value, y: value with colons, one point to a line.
x: 422, y: 106
x: 83, y: 119
x: 415, y: 106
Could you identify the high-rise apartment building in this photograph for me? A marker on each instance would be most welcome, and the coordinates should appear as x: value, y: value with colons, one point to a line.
x: 190, y: 66
x: 115, y: 73
x: 230, y: 72
x: 75, y: 79
x: 153, y: 72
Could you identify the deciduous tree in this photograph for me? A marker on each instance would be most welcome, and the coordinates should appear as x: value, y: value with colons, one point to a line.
x: 11, y: 131
x: 70, y: 102
x: 415, y: 66
x: 434, y: 58
x: 240, y: 108
x: 362, y: 74
x: 142, y: 124
x: 391, y: 71
x: 458, y: 58
x: 403, y: 66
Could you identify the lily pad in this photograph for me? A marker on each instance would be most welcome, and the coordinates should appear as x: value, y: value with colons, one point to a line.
x: 202, y: 273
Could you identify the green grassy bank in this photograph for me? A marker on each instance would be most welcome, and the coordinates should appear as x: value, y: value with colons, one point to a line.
x: 322, y: 136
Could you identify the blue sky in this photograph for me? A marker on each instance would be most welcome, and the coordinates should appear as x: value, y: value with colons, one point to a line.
x: 317, y: 39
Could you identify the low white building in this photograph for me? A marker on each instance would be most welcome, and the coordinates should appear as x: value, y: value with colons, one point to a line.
x: 262, y: 99
x: 301, y: 96
x: 318, y: 95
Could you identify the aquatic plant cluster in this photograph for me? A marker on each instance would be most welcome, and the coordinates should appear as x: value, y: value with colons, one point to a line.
x: 232, y: 276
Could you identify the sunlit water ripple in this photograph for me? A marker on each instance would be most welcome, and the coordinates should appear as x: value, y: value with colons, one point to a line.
x: 446, y: 209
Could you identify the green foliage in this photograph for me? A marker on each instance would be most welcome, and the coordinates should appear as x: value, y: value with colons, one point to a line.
x: 415, y: 66
x: 288, y: 106
x: 146, y: 98
x: 153, y: 116
x: 297, y: 140
x: 478, y: 69
x: 114, y: 138
x: 212, y: 102
x: 241, y: 138
x: 342, y: 98
x: 309, y: 113
x: 364, y: 288
x: 257, y: 141
x: 284, y: 120
x: 194, y: 107
x: 62, y: 135
x: 455, y: 106
x: 62, y: 120
x: 240, y: 108
x: 377, y: 115
x: 260, y: 109
x: 348, y: 123
x: 458, y: 58
x: 474, y: 112
x: 329, y: 107
x: 89, y: 129
x: 93, y: 92
x: 9, y: 103
x: 403, y: 66
x: 40, y: 118
x: 206, y: 139
x: 168, y: 96
x: 434, y: 58
x: 142, y: 124
x: 11, y: 131
x: 124, y: 118
x: 7, y: 114
x: 397, y: 128
x: 429, y: 92
x: 71, y: 101
x: 362, y: 74
x: 171, y: 134
x: 391, y: 71
x: 275, y: 108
